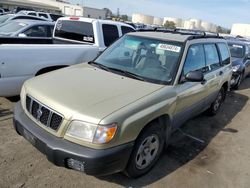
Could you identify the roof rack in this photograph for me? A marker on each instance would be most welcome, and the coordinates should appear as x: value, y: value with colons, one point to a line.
x: 195, y: 34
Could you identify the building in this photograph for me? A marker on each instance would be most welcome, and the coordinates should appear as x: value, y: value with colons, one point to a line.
x: 55, y: 6
x: 37, y: 6
x: 142, y: 18
x: 241, y: 29
x: 158, y: 21
x: 65, y: 7
x: 94, y: 13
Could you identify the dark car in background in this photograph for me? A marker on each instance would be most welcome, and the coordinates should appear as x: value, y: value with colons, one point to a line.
x: 9, y: 17
x: 240, y: 52
x: 27, y: 28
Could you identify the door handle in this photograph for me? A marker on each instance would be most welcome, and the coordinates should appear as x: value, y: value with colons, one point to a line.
x: 203, y: 82
x: 221, y: 73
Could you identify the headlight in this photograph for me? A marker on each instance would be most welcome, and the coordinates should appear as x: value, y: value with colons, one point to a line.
x: 81, y: 130
x: 91, y: 132
x: 236, y: 68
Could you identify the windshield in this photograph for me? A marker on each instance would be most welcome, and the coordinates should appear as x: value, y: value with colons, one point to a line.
x: 11, y: 27
x: 4, y: 18
x: 150, y: 60
x: 236, y: 50
x: 75, y: 30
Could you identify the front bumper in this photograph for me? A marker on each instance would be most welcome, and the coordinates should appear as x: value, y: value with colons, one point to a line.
x: 235, y: 78
x: 61, y: 152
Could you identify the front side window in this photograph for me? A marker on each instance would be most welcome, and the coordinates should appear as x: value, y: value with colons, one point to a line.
x: 36, y: 31
x: 32, y: 14
x: 212, y: 57
x: 110, y: 33
x: 149, y: 60
x: 195, y: 60
x: 43, y: 15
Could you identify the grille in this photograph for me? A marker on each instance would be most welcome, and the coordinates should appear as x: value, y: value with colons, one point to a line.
x: 44, y: 115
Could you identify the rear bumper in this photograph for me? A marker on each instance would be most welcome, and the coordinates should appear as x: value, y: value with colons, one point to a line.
x: 61, y: 152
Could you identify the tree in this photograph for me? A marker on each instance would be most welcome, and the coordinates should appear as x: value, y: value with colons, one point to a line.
x: 223, y: 30
x: 124, y: 17
x: 169, y: 25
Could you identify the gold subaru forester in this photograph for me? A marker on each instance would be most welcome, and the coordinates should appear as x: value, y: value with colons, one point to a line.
x: 117, y: 112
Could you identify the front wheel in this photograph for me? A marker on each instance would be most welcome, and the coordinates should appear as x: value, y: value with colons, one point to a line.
x: 240, y: 78
x: 147, y: 150
x: 215, y: 106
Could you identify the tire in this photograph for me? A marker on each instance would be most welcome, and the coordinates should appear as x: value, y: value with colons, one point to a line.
x: 147, y: 150
x: 215, y: 106
x: 239, y: 81
x: 14, y: 98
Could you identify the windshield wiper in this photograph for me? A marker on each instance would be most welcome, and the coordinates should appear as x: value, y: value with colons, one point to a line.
x: 109, y: 69
x: 101, y: 66
x: 129, y: 74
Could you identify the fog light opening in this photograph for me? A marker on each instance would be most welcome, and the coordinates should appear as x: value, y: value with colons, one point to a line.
x: 76, y: 165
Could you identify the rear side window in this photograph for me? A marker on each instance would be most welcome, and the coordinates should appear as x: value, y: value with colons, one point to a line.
x: 55, y: 17
x: 126, y: 30
x: 212, y: 57
x: 110, y: 33
x: 32, y: 14
x: 195, y: 59
x: 37, y: 31
x: 43, y: 15
x: 225, y: 55
x: 75, y: 30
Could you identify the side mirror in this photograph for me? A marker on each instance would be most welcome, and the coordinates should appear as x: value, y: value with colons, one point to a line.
x: 126, y: 54
x: 22, y: 35
x: 248, y: 56
x: 194, y: 76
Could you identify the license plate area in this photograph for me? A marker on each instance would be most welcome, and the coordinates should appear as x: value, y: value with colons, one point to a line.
x: 29, y: 137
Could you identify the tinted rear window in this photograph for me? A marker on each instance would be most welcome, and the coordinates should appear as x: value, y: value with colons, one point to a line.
x: 237, y: 50
x: 110, y: 33
x: 75, y: 30
x: 55, y: 17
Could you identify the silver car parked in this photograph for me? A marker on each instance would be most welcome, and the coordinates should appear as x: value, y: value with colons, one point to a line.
x: 27, y: 28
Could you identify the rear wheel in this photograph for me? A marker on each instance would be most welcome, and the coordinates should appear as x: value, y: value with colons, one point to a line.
x: 146, y: 152
x: 215, y: 106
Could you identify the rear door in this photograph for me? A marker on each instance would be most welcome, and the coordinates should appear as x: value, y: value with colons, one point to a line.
x: 213, y: 72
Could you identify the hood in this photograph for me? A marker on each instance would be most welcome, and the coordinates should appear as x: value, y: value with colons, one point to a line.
x: 86, y: 93
x: 236, y: 61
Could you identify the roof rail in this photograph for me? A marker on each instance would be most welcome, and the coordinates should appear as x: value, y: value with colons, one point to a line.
x: 195, y: 34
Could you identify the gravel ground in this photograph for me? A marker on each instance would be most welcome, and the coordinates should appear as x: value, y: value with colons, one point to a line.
x: 223, y: 160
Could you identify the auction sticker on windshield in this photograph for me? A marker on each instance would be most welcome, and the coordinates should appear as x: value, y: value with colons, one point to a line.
x: 237, y: 46
x: 169, y: 47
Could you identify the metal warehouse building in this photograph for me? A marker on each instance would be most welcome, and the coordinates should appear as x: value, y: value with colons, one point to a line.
x: 38, y: 6
x: 241, y: 29
x: 55, y: 6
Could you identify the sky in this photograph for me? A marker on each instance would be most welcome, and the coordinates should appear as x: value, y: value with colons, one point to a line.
x: 220, y: 12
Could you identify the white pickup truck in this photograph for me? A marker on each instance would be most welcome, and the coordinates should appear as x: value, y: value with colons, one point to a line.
x: 76, y: 40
